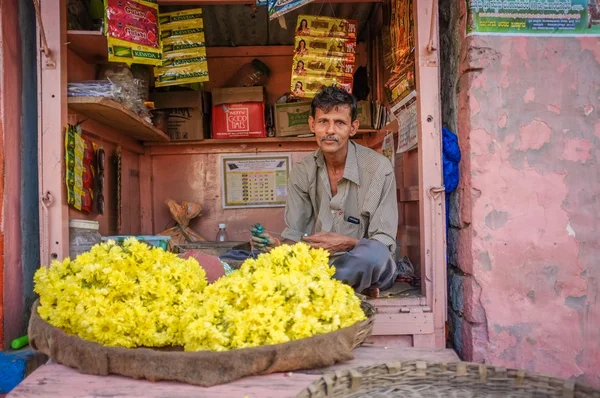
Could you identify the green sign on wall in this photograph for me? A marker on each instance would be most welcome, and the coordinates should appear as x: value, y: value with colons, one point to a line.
x: 534, y: 17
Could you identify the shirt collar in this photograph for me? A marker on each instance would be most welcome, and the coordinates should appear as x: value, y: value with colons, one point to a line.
x: 351, y: 168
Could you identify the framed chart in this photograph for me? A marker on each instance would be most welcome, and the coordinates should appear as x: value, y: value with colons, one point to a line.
x: 255, y: 181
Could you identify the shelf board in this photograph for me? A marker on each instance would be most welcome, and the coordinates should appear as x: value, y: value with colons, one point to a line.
x: 244, y: 141
x: 236, y: 141
x: 115, y: 115
x: 92, y: 47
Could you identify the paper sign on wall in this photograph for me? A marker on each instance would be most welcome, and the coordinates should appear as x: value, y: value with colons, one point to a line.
x: 387, y: 148
x: 529, y: 18
x: 254, y: 181
x: 407, y: 128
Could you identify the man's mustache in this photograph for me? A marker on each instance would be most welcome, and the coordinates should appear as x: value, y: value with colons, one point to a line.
x: 330, y: 137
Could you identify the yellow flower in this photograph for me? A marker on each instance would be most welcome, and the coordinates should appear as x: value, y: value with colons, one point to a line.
x: 283, y: 295
x: 121, y: 295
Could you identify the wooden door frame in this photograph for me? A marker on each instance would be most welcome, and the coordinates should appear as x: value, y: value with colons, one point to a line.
x: 54, y: 214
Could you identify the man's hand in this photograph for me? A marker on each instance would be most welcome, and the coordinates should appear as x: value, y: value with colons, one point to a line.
x: 331, y: 242
x: 262, y: 241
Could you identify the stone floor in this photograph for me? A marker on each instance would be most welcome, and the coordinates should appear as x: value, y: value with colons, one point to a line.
x: 54, y: 380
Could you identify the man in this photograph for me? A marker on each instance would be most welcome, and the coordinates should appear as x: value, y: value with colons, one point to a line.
x: 346, y: 194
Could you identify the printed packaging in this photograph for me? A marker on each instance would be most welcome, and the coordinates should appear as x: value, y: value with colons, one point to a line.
x: 132, y: 32
x: 324, y: 47
x: 317, y: 26
x: 183, y: 49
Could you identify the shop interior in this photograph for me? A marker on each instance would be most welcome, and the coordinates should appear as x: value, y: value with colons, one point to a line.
x: 160, y: 146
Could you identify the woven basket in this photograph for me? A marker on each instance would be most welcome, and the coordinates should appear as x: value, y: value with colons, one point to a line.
x: 203, y: 368
x: 415, y: 379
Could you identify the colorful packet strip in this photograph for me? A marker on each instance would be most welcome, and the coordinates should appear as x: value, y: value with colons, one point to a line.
x: 132, y: 32
x: 327, y: 67
x: 324, y: 46
x: 317, y: 26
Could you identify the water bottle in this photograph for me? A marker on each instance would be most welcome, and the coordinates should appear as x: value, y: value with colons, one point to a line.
x: 222, y: 234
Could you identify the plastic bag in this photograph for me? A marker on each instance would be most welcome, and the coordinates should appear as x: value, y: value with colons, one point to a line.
x: 132, y: 31
x: 182, y: 214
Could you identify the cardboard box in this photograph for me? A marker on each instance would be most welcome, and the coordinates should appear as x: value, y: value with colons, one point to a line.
x: 187, y: 113
x: 292, y: 119
x: 237, y: 95
x: 238, y: 112
x: 364, y: 114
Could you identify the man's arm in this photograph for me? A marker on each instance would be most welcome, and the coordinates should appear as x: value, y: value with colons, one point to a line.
x: 299, y: 217
x: 383, y: 225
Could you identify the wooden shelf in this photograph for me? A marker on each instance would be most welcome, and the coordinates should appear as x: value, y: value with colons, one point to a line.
x: 113, y: 114
x: 236, y: 141
x: 92, y: 47
x: 244, y: 141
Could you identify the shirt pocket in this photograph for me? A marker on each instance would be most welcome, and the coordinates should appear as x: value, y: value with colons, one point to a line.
x: 351, y: 229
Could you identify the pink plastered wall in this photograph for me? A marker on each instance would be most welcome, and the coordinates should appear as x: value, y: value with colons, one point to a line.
x: 529, y: 204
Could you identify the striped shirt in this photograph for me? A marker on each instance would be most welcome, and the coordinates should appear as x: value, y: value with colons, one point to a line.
x: 365, y: 205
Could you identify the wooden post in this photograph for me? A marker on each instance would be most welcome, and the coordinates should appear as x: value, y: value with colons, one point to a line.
x: 52, y: 81
x: 431, y: 195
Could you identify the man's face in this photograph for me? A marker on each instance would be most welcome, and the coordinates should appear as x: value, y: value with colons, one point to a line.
x: 333, y: 129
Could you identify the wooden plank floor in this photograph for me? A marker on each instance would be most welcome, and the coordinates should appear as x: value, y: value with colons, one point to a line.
x: 54, y: 380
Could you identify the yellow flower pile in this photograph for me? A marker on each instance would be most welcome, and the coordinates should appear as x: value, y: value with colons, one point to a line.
x: 286, y: 294
x: 129, y: 296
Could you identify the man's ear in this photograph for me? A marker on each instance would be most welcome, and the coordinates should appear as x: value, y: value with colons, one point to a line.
x: 354, y: 130
x: 311, y: 124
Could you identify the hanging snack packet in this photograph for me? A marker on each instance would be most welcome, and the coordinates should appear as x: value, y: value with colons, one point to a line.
x: 327, y: 67
x: 184, y: 49
x: 308, y: 87
x: 317, y: 26
x: 324, y: 55
x: 192, y: 73
x: 169, y: 19
x: 79, y: 176
x: 180, y: 43
x: 324, y: 46
x: 132, y: 31
x: 184, y: 57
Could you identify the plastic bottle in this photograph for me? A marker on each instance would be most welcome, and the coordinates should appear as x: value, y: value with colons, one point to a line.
x: 222, y: 234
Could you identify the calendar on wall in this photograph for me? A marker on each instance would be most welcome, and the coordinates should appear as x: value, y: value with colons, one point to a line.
x: 255, y: 181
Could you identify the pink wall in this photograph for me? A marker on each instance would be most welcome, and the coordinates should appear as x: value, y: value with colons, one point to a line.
x: 529, y: 127
x: 197, y: 178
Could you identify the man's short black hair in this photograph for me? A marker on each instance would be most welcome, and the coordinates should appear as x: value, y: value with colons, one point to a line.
x: 330, y: 98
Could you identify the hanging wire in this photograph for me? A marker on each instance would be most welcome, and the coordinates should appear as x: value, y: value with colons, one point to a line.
x: 38, y: 14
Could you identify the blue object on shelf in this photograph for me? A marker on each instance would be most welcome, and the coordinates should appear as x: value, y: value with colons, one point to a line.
x: 155, y: 240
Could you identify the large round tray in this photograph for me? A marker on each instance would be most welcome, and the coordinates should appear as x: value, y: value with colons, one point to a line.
x: 203, y: 368
x: 418, y: 379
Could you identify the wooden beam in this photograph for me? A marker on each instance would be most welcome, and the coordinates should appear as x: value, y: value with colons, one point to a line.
x: 54, y: 212
x: 257, y: 145
x: 249, y: 51
x: 431, y: 196
x: 244, y: 2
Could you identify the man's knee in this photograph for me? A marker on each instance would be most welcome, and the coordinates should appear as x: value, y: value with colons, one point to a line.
x: 371, y: 252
